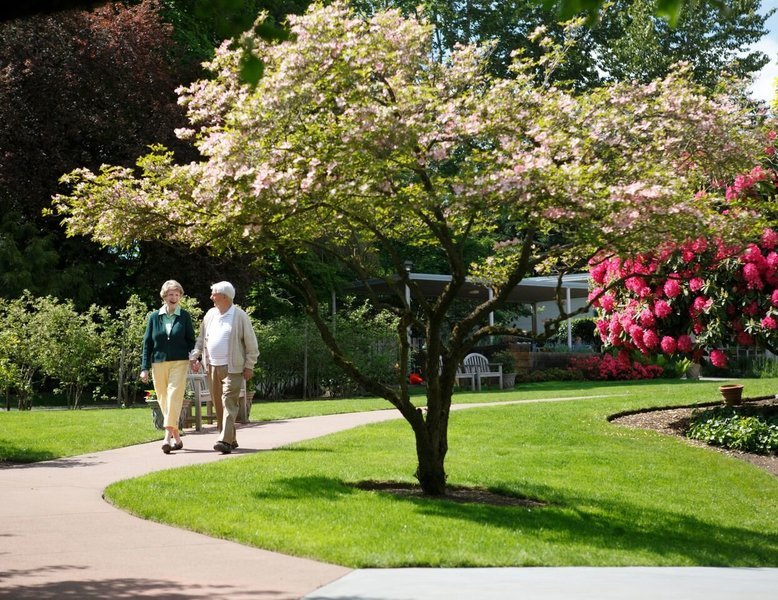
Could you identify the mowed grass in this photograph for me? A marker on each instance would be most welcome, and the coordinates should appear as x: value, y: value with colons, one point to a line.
x: 614, y: 496
x: 32, y: 436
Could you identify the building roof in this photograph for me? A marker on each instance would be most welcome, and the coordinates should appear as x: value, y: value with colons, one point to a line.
x: 531, y: 290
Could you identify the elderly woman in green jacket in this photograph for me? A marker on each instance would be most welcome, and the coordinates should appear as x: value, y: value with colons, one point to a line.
x: 168, y: 340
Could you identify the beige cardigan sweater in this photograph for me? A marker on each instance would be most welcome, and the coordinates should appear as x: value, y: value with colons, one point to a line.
x: 242, y: 343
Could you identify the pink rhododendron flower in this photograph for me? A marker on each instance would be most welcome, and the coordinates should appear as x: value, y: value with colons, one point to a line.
x: 672, y: 288
x: 696, y: 284
x: 701, y: 304
x: 752, y: 276
x: 598, y: 273
x: 636, y: 333
x: 668, y: 345
x: 769, y: 323
x: 608, y: 303
x: 774, y: 298
x: 769, y: 238
x: 650, y: 338
x: 647, y: 318
x: 594, y: 297
x: 684, y: 343
x: 718, y: 358
x: 662, y: 309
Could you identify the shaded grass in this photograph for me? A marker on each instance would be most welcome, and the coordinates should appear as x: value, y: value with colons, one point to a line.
x: 616, y: 496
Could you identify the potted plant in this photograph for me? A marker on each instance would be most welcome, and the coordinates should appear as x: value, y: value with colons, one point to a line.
x: 508, y: 362
x: 732, y: 393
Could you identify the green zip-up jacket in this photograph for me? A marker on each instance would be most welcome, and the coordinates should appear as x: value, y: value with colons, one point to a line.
x: 158, y: 346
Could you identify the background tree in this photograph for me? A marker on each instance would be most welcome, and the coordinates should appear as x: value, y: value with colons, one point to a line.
x: 627, y: 41
x: 356, y: 143
x: 68, y: 344
x: 77, y: 88
x: 19, y: 349
x: 121, y: 337
x: 87, y: 87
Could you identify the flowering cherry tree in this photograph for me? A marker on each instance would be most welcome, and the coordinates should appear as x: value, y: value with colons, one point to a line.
x: 693, y: 299
x: 356, y: 143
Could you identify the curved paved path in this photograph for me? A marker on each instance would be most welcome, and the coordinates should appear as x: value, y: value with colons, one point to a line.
x: 59, y: 539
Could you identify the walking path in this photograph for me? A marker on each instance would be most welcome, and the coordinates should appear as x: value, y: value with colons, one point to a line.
x: 60, y: 539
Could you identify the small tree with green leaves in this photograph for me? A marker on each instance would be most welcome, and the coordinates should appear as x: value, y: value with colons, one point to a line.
x: 357, y: 143
x: 18, y: 349
x: 121, y: 337
x: 69, y: 345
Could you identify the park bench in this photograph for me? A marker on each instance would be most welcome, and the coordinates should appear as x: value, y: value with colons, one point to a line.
x: 476, y: 367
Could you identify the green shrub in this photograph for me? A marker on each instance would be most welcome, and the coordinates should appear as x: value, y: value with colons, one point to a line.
x: 750, y: 429
x: 553, y: 374
x: 765, y: 368
x: 295, y: 363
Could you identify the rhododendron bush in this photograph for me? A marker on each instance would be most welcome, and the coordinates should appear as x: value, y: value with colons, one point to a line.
x: 696, y: 298
x: 356, y: 143
x: 610, y: 368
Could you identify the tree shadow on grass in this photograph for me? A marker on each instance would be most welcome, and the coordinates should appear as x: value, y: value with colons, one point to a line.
x: 663, y: 536
x: 586, y: 524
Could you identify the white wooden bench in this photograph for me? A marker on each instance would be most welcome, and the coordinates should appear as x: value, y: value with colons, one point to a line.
x: 476, y: 367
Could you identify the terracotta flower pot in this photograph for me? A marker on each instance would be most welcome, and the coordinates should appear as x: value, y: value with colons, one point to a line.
x: 732, y: 393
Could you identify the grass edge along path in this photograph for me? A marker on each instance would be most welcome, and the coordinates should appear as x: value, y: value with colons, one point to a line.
x: 615, y: 496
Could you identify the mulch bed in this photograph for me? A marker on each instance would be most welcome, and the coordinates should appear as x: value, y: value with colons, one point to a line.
x: 675, y: 421
x: 472, y: 495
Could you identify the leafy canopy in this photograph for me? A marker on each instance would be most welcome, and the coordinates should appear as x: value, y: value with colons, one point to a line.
x: 356, y: 133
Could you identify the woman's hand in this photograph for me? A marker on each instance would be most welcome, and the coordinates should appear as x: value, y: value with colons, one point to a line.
x: 144, y: 376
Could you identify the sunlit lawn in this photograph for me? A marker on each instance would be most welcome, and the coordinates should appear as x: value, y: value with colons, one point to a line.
x: 614, y: 496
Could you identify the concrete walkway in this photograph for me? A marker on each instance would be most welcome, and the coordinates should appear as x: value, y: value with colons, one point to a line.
x: 59, y: 539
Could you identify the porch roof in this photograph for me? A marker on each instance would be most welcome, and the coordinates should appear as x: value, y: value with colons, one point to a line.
x: 531, y: 290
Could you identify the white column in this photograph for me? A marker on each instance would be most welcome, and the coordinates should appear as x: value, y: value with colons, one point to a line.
x: 568, y: 308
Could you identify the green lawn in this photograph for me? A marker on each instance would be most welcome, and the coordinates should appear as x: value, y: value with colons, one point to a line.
x: 615, y: 496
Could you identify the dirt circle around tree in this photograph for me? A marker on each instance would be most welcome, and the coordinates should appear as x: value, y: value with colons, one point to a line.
x: 462, y: 494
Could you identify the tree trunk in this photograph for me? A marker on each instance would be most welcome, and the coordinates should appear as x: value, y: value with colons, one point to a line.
x: 432, y: 441
x: 431, y: 471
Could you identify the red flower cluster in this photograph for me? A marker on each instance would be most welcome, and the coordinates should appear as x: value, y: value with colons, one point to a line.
x: 690, y: 298
x: 607, y: 367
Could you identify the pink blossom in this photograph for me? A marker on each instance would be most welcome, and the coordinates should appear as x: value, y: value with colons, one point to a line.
x: 769, y: 323
x: 595, y: 296
x: 650, y: 338
x: 647, y: 318
x: 602, y: 328
x: 684, y: 343
x: 774, y: 298
x: 662, y: 309
x: 672, y: 288
x: 718, y: 358
x: 696, y: 284
x: 701, y: 304
x: 607, y: 303
x: 769, y: 239
x: 752, y: 276
x: 668, y: 345
x: 598, y: 272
